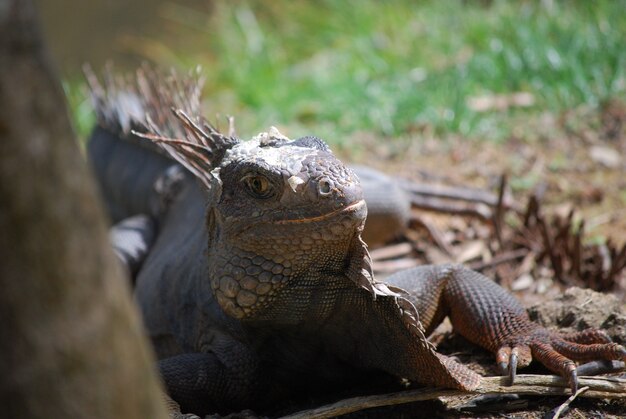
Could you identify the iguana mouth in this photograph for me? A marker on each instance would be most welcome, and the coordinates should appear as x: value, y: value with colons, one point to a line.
x: 355, y: 207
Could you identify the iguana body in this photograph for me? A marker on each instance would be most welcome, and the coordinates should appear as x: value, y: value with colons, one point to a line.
x: 258, y: 286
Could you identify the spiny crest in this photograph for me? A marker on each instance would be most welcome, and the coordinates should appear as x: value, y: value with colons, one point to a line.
x: 122, y: 102
x: 157, y: 106
x: 199, y: 149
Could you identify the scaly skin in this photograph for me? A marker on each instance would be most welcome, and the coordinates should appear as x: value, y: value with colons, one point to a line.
x: 259, y: 287
x: 485, y: 314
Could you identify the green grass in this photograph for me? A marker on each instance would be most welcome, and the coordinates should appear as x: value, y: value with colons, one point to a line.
x: 396, y: 67
x: 80, y: 107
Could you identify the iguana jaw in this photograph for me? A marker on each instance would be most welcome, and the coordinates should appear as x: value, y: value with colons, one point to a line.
x: 358, y: 208
x: 273, y: 269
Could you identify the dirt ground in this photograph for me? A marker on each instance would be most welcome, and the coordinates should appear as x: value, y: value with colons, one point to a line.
x: 578, y: 160
x: 575, y: 163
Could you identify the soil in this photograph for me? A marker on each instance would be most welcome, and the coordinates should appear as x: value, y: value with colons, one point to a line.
x: 575, y: 162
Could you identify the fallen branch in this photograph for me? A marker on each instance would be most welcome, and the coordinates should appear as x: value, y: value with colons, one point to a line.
x: 567, y: 402
x: 538, y: 385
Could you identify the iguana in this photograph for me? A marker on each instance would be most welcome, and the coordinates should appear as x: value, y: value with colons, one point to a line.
x: 252, y: 277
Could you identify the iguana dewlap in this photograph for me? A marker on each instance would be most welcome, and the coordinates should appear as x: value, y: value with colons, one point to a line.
x: 258, y: 287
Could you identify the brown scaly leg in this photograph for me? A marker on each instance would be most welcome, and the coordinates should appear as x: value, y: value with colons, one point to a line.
x: 487, y: 315
x: 587, y: 336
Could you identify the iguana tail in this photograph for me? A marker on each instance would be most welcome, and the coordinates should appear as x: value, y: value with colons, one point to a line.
x: 132, y: 172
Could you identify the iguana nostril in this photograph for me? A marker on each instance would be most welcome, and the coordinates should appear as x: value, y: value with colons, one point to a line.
x: 324, y: 187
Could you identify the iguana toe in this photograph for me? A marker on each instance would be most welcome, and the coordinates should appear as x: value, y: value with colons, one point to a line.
x: 510, y: 358
x: 584, y: 353
x: 560, y: 353
x: 587, y: 336
x: 601, y: 367
x: 545, y: 353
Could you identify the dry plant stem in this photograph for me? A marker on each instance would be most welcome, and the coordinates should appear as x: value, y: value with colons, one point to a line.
x: 499, y: 259
x: 498, y: 216
x: 567, y: 402
x: 434, y: 233
x: 539, y: 385
x: 555, y: 260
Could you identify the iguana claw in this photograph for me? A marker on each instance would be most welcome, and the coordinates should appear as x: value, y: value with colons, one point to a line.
x: 560, y: 352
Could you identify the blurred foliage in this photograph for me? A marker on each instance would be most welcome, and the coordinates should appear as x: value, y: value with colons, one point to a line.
x: 83, y: 117
x: 397, y: 67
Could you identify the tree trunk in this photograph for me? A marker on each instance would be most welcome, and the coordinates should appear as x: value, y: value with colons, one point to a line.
x: 71, y: 343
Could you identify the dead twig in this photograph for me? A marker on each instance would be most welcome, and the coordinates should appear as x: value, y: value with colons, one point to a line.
x: 432, y: 231
x: 499, y: 259
x: 567, y: 402
x: 559, y: 241
x: 541, y: 385
x: 498, y: 215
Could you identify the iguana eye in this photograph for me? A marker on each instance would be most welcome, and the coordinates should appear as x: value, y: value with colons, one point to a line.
x: 258, y: 185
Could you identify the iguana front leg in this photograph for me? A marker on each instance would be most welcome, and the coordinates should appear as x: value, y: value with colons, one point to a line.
x: 221, y: 380
x: 487, y: 315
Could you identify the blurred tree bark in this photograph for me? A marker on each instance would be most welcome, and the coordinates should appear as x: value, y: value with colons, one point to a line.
x: 71, y: 343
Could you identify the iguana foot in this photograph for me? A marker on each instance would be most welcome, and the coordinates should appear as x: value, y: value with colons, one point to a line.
x: 487, y: 315
x: 558, y: 352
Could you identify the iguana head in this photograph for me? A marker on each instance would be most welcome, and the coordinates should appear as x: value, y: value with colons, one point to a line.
x: 286, y: 209
x: 284, y: 216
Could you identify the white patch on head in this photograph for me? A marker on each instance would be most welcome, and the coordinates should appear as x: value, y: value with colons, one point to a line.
x: 274, y: 133
x: 294, y: 182
x: 261, y: 149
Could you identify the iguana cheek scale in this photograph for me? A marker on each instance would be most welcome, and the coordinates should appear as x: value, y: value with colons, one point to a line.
x: 258, y: 291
